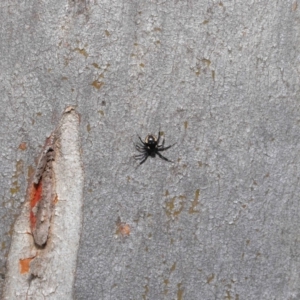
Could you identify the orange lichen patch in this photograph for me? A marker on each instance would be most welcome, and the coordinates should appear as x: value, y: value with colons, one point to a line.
x: 23, y: 146
x: 210, y: 278
x: 146, y: 287
x: 195, y: 203
x: 173, y: 207
x: 173, y: 267
x: 123, y: 229
x: 35, y: 197
x: 97, y: 84
x: 95, y: 65
x: 166, y: 282
x: 25, y: 265
x: 15, y: 189
x: 82, y: 51
x: 206, y: 61
x: 88, y: 127
x: 180, y: 292
x: 30, y: 171
x: 19, y: 169
x: 55, y: 199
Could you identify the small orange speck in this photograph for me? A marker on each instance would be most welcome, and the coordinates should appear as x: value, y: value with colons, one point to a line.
x: 123, y: 228
x: 25, y: 264
x: 97, y: 84
x: 23, y: 146
x: 55, y: 199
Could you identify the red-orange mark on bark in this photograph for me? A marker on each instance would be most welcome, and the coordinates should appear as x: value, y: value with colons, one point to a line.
x: 35, y: 197
x: 55, y: 199
x: 23, y: 146
x: 123, y: 229
x: 25, y: 265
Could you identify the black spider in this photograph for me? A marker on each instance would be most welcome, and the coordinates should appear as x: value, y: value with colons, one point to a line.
x: 151, y: 147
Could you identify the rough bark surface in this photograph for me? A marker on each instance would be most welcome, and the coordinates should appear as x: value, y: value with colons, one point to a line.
x: 220, y: 78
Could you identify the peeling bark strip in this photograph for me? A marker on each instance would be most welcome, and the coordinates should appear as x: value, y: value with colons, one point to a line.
x: 53, y: 214
x: 42, y: 202
x: 43, y: 161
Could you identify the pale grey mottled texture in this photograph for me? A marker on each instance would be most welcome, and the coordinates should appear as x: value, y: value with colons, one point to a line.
x: 219, y: 78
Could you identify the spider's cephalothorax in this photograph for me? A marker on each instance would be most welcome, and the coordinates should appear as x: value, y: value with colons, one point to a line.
x: 151, y: 147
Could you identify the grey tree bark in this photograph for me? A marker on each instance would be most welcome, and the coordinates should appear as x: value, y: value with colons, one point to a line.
x: 219, y: 78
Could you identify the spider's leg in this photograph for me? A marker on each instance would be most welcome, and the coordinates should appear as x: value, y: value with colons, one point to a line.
x: 145, y: 158
x: 162, y: 145
x: 158, y: 137
x: 139, y: 148
x: 162, y: 157
x: 138, y: 145
x: 140, y: 156
x: 165, y: 148
x: 141, y: 140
